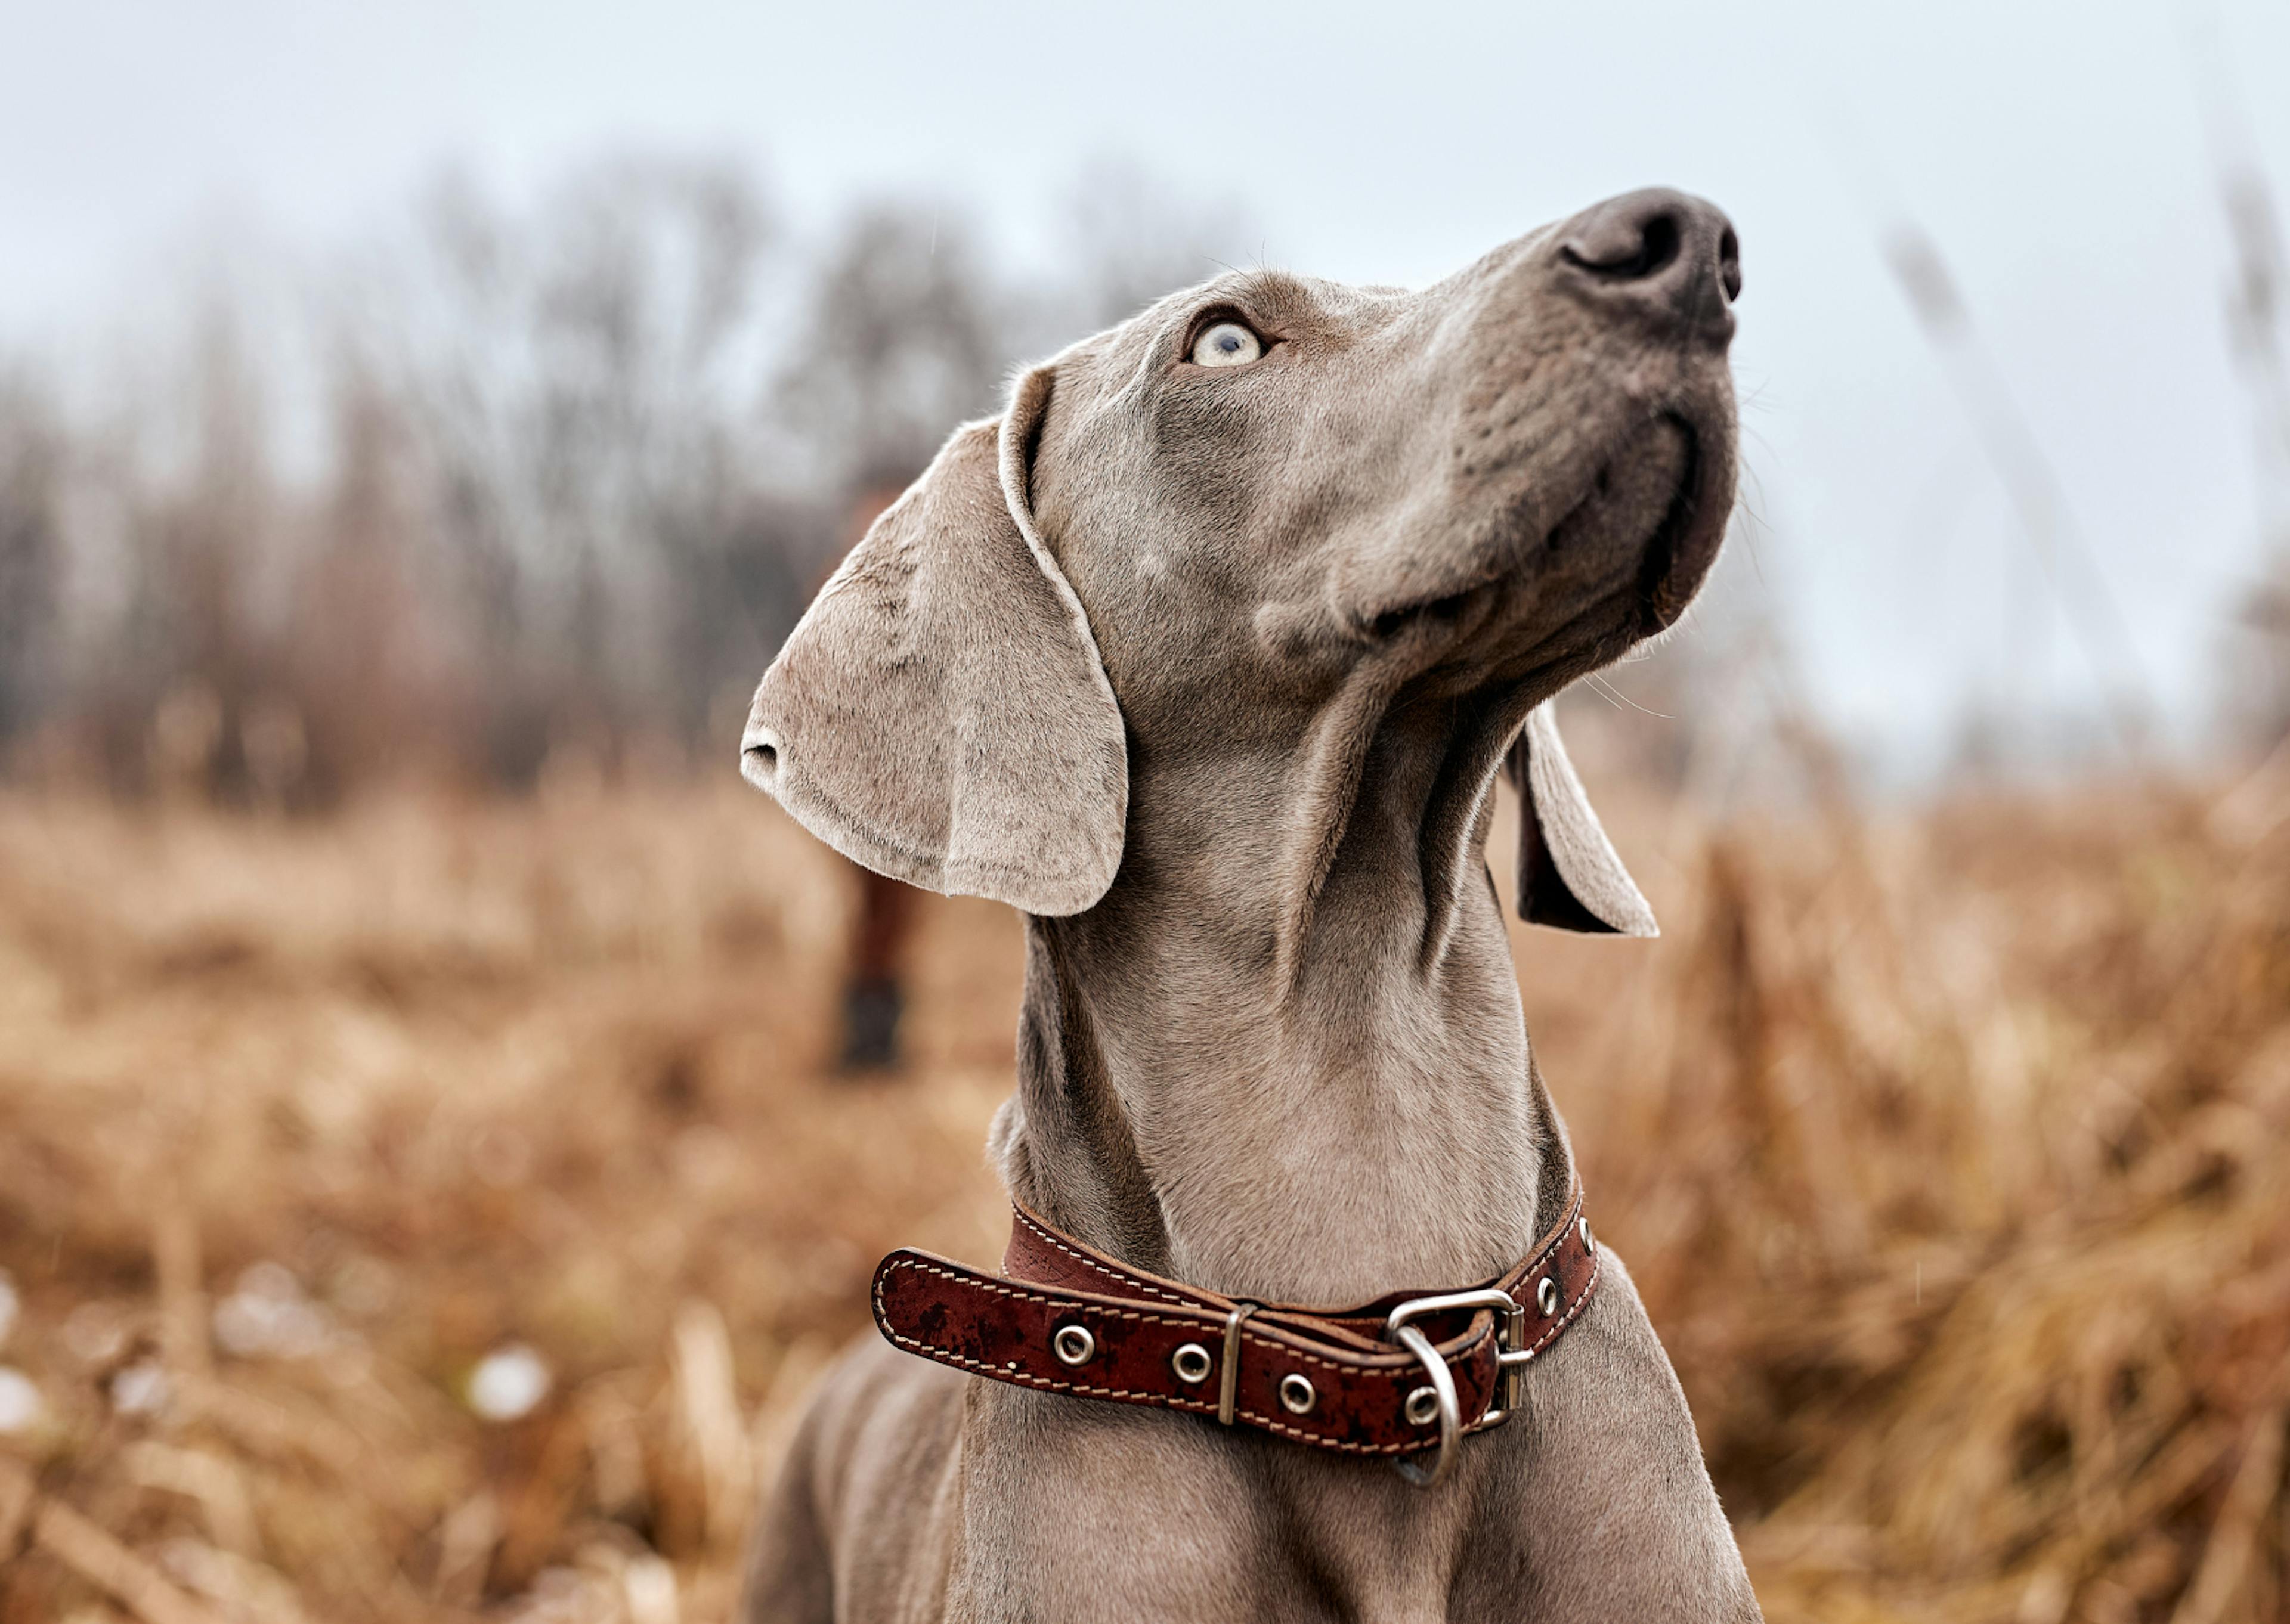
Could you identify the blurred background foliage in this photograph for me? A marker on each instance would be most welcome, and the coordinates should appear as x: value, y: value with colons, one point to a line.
x: 517, y: 486
x: 512, y: 486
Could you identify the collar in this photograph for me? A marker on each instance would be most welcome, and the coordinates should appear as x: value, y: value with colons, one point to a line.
x: 1408, y: 1374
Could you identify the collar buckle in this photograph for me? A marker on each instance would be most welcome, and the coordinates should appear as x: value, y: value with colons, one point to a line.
x: 1510, y: 1358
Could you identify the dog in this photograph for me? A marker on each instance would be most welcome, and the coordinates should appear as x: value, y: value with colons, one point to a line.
x: 1206, y: 655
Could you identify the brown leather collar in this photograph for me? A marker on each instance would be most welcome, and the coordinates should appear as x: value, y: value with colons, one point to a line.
x: 1408, y: 1372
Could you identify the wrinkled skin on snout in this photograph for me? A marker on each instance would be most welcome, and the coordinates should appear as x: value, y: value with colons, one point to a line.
x: 1510, y: 476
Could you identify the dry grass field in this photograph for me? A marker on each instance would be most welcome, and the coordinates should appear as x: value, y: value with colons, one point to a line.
x: 1952, y: 1152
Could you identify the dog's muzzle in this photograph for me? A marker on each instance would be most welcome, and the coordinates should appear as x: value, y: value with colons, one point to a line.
x: 1409, y: 1374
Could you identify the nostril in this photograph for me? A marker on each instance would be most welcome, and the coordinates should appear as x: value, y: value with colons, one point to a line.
x: 1622, y: 260
x: 1729, y: 264
x: 1657, y: 246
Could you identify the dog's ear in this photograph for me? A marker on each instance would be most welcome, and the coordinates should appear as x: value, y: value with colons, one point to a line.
x: 940, y: 714
x: 1568, y: 874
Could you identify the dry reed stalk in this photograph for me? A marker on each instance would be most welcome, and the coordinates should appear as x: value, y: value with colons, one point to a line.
x: 112, y: 1568
x: 211, y: 1481
x: 2231, y: 1555
x: 708, y: 1402
x: 182, y: 1294
x: 648, y: 1588
x: 466, y: 1542
x: 616, y: 1462
x: 1945, y: 1149
x: 247, y: 1591
x: 2258, y: 806
x: 276, y: 1427
x: 20, y: 1496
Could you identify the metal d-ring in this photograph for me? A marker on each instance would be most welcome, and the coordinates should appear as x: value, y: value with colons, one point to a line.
x: 1451, y: 1420
x: 1509, y: 1323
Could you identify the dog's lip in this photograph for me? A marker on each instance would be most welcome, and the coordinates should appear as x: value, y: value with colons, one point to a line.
x: 1671, y: 541
x: 1677, y: 549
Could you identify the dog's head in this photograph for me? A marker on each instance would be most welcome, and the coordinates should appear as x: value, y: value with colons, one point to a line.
x: 1193, y: 534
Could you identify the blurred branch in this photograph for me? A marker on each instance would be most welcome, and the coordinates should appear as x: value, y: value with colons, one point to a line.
x: 2030, y: 478
x: 2258, y: 687
x: 898, y: 341
x: 2256, y: 291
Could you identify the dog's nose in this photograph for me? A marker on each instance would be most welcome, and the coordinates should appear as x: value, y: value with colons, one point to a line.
x: 1671, y: 256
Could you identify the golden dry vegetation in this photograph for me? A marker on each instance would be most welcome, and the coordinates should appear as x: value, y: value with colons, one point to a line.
x: 1949, y: 1150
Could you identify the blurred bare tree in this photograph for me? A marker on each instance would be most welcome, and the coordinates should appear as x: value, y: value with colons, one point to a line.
x: 576, y: 391
x: 360, y: 661
x: 543, y: 484
x: 172, y: 676
x: 898, y: 338
x: 31, y: 549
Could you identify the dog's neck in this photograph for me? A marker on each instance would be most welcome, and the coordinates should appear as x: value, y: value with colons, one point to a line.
x: 1285, y: 1057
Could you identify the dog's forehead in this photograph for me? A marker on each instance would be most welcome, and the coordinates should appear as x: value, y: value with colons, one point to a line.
x: 1121, y: 364
x: 1284, y: 305
x: 1289, y: 305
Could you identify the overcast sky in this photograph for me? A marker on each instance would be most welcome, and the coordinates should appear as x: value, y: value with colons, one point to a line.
x: 2055, y: 151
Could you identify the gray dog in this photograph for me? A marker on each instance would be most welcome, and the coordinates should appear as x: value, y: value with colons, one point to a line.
x: 1206, y: 655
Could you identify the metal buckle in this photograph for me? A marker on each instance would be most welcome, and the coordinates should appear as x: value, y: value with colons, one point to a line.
x: 1510, y: 1362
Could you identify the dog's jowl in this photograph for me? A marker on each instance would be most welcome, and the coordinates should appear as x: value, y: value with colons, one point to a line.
x: 1207, y: 655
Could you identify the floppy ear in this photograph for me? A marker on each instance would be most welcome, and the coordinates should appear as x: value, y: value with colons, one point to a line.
x: 940, y: 714
x: 1568, y: 874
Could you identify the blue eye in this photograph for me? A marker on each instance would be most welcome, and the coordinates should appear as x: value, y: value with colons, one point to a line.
x: 1227, y: 344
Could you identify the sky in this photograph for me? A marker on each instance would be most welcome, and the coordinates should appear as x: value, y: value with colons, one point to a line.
x: 2054, y: 150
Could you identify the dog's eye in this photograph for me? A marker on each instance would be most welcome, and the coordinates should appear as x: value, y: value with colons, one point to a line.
x: 1227, y: 344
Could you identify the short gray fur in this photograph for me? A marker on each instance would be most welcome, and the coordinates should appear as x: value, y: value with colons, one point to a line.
x: 1211, y: 670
